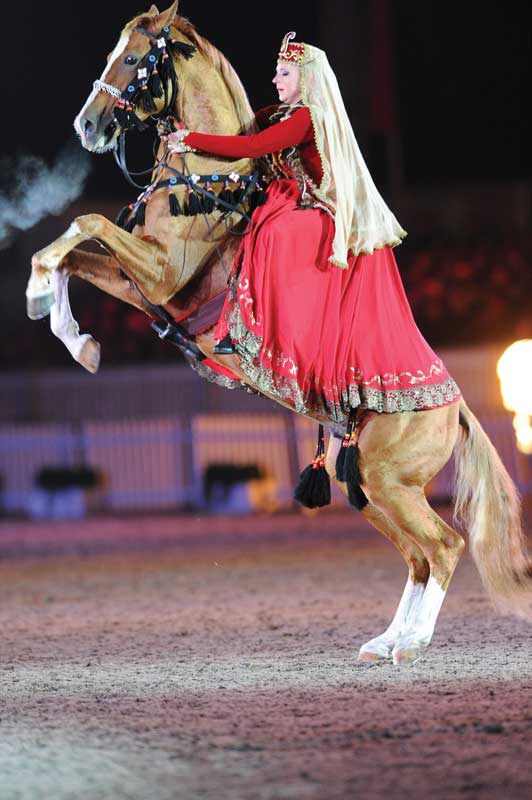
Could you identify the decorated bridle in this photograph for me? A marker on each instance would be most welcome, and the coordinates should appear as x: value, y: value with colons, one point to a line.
x: 155, y: 72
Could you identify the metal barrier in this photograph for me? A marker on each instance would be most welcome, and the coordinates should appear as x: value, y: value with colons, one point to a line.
x: 24, y: 450
x: 160, y: 463
x: 245, y: 439
x: 142, y: 462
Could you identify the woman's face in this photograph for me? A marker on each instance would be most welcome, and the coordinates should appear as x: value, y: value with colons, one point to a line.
x: 287, y: 83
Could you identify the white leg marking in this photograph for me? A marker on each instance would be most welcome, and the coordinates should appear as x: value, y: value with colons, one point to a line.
x: 420, y: 626
x: 65, y: 327
x: 72, y: 231
x: 381, y: 646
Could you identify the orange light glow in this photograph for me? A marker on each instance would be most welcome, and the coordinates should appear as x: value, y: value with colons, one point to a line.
x: 514, y: 369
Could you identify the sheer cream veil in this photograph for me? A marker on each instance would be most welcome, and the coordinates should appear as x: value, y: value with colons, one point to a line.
x: 363, y: 221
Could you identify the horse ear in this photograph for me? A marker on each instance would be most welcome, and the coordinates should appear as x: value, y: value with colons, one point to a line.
x: 154, y: 11
x: 168, y: 16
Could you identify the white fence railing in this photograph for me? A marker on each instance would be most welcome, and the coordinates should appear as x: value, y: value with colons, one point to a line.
x: 160, y: 463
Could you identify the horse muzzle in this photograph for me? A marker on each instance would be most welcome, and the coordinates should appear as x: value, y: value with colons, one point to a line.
x: 97, y: 135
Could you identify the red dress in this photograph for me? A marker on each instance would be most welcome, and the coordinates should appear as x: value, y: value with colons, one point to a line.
x: 324, y: 339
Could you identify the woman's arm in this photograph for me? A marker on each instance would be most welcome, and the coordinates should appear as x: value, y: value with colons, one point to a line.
x: 292, y: 131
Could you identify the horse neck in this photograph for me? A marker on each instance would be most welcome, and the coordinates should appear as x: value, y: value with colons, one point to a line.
x: 206, y: 105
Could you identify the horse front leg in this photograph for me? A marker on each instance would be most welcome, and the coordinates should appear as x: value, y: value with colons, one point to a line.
x: 40, y: 295
x: 381, y: 647
x: 82, y: 347
x: 146, y: 262
x: 102, y: 271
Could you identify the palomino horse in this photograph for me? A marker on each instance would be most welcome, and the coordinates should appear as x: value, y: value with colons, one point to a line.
x: 178, y: 263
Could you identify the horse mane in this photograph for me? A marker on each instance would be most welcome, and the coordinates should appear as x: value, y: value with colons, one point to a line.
x: 245, y: 114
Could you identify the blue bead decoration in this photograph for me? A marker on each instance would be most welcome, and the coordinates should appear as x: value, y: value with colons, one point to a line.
x: 166, y: 30
x: 173, y: 181
x: 152, y: 58
x: 215, y: 178
x: 131, y: 88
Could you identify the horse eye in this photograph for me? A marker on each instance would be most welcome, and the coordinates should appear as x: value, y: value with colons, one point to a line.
x: 130, y: 60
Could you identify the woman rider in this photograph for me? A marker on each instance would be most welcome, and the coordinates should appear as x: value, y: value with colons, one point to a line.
x: 316, y: 308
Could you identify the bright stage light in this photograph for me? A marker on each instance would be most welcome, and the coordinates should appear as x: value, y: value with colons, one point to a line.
x: 514, y: 369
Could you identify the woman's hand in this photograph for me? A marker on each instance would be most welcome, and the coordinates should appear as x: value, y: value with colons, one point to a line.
x: 174, y: 141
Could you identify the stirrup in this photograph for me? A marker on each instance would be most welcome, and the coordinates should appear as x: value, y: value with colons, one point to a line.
x: 224, y: 347
x: 173, y: 334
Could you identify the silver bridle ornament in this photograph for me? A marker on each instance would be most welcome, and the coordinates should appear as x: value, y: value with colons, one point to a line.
x: 102, y: 86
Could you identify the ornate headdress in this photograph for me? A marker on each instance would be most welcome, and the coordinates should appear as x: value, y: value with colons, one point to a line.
x: 363, y: 221
x: 293, y: 52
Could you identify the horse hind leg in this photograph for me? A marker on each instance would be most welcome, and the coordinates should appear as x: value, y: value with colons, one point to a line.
x: 398, y: 457
x: 442, y: 546
x: 381, y: 647
x: 444, y: 559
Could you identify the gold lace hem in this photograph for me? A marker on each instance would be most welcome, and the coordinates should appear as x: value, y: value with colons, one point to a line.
x: 314, y: 402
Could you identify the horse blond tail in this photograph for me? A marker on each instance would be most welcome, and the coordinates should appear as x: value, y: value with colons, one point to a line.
x: 487, y: 504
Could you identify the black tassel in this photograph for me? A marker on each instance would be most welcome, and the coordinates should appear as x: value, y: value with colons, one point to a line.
x: 314, y: 487
x: 348, y: 465
x: 260, y: 196
x: 140, y: 216
x: 181, y: 48
x: 340, y: 459
x: 123, y: 216
x: 173, y: 203
x: 146, y: 101
x: 207, y: 202
x: 351, y: 466
x: 130, y: 225
x: 257, y: 197
x: 252, y: 202
x: 155, y: 84
x: 226, y: 195
x: 355, y: 494
x: 194, y: 204
x: 238, y: 194
x: 121, y: 116
x: 138, y: 124
x: 165, y: 68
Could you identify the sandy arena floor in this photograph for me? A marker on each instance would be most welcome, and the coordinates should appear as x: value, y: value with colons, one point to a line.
x: 175, y: 659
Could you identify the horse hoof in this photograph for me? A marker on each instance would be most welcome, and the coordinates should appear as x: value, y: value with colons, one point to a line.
x: 374, y: 651
x: 89, y: 355
x: 407, y: 652
x: 38, y: 306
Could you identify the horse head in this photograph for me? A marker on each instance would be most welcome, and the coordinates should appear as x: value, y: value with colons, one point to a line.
x: 137, y: 82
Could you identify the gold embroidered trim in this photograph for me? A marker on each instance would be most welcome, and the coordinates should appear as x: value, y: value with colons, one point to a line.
x: 358, y: 393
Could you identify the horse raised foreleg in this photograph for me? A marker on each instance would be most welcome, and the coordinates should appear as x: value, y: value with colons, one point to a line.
x: 102, y: 271
x: 146, y: 262
x: 381, y: 646
x: 40, y: 292
x: 105, y: 273
x: 82, y: 347
x: 399, y: 456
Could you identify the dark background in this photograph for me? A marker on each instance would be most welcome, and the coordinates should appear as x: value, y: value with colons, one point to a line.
x: 462, y: 74
x: 439, y: 97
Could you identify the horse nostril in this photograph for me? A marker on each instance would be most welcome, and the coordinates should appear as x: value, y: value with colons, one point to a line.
x: 88, y: 127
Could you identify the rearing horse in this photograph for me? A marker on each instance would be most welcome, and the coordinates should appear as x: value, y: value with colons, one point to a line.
x: 178, y: 263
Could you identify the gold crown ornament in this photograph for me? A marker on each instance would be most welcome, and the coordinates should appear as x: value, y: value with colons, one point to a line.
x: 291, y: 52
